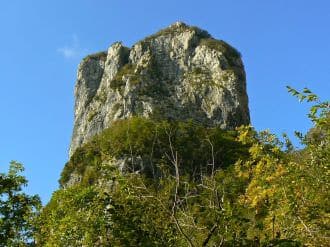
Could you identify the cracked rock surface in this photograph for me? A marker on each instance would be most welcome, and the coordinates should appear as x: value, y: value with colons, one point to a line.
x: 179, y: 73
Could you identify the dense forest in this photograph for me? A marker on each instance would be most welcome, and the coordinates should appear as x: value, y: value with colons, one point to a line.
x: 182, y: 184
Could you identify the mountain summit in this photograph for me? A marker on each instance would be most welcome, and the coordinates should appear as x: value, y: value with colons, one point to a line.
x: 179, y: 73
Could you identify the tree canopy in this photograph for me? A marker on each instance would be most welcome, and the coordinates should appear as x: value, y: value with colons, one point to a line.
x: 164, y: 183
x: 17, y: 209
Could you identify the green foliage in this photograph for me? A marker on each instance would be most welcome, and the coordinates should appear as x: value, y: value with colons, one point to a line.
x: 91, y: 115
x: 131, y: 210
x: 289, y: 191
x: 121, y: 215
x: 128, y: 70
x: 187, y: 185
x: 17, y: 210
x: 150, y: 141
x: 75, y: 217
x: 319, y: 112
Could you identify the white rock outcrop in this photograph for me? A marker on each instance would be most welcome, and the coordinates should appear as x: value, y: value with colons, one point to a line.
x: 181, y: 72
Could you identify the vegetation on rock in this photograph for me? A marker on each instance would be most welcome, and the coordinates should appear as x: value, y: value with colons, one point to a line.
x: 147, y: 145
x: 255, y: 190
x: 219, y: 45
x: 181, y: 184
x: 180, y: 73
x: 178, y: 28
x: 102, y: 55
x: 127, y: 70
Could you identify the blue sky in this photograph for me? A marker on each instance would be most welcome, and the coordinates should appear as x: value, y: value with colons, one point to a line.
x: 41, y: 44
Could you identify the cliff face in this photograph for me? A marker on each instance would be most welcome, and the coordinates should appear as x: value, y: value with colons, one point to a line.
x: 181, y: 72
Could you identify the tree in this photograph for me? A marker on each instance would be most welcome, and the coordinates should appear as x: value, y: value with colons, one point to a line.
x: 289, y: 189
x: 252, y: 188
x: 17, y: 209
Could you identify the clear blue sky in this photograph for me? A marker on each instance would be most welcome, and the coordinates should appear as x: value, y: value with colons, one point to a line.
x: 282, y: 42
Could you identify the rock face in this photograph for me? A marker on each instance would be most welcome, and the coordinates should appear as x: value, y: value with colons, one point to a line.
x: 181, y: 72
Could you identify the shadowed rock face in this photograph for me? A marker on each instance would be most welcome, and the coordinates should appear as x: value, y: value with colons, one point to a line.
x: 181, y: 72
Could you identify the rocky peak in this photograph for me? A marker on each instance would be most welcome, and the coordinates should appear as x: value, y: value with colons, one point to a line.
x: 180, y: 72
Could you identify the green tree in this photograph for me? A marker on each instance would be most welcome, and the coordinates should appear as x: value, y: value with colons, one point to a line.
x: 207, y: 187
x: 17, y: 209
x: 288, y: 189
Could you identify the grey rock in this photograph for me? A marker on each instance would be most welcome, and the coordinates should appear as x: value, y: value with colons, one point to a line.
x: 179, y: 73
